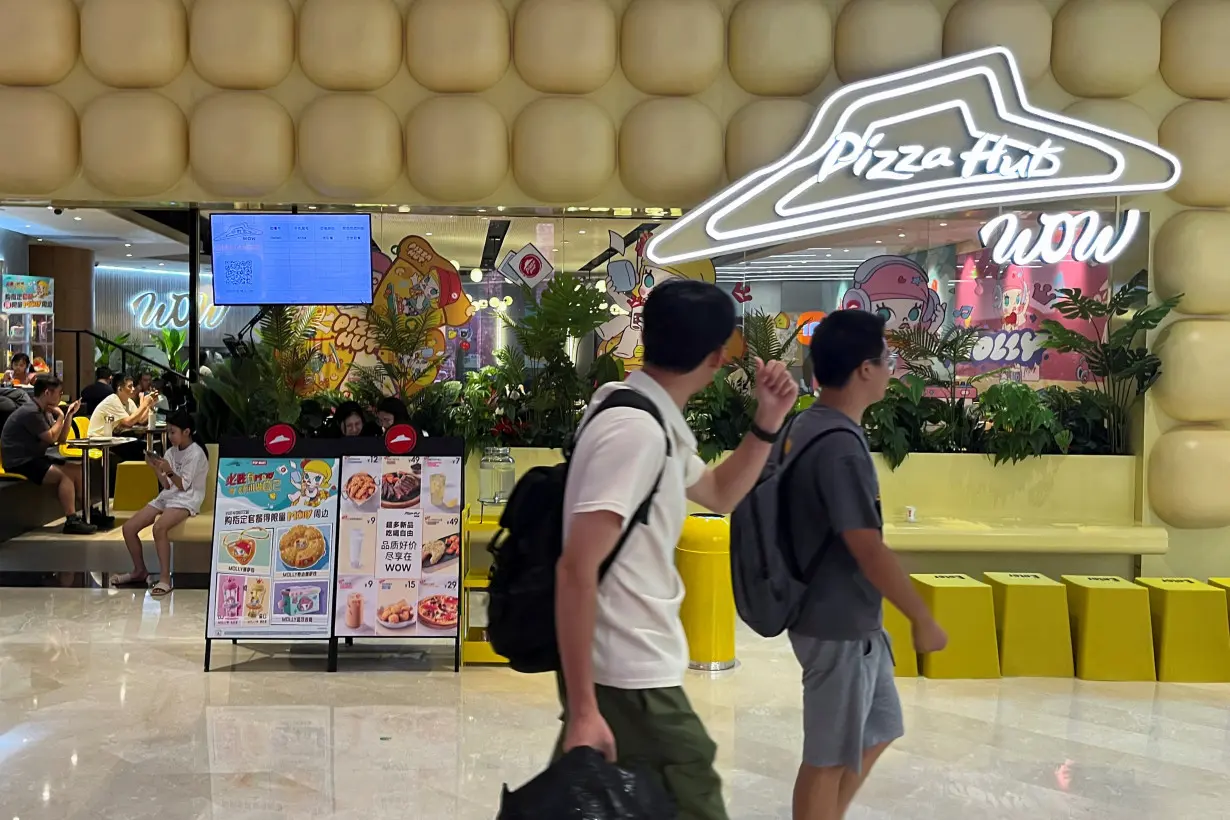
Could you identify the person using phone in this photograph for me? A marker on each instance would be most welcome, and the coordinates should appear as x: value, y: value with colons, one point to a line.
x: 182, y: 474
x: 30, y: 431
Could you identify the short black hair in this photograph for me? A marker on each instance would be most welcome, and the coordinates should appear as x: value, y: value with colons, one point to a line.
x: 102, y: 373
x: 44, y: 383
x: 396, y: 408
x: 122, y: 379
x: 347, y: 409
x: 842, y: 342
x: 181, y: 419
x: 684, y: 322
x: 20, y: 357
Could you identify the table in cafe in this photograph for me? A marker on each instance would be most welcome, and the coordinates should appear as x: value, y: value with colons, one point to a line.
x: 103, y: 444
x: 157, y: 431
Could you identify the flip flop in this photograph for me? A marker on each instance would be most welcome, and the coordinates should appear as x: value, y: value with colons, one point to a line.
x: 129, y: 579
x: 161, y: 589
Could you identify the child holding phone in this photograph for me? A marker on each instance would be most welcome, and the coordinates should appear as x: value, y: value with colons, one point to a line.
x: 182, y: 474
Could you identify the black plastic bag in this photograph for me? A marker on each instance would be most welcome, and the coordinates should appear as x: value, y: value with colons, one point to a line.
x: 581, y: 785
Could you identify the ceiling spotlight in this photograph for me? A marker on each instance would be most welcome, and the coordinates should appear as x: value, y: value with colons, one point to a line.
x: 879, y: 242
x: 581, y: 232
x: 901, y: 236
x: 500, y: 208
x: 311, y: 207
x: 76, y: 219
x: 476, y: 275
x: 129, y: 255
x: 555, y: 250
x: 427, y: 234
x: 162, y: 264
x: 845, y: 250
x: 828, y: 256
x: 127, y: 244
x: 403, y: 209
x: 943, y: 224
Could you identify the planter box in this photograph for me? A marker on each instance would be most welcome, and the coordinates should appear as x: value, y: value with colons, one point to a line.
x: 1046, y: 490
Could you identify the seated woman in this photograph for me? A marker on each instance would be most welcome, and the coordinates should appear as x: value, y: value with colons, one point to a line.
x: 183, y: 475
x: 390, y: 411
x: 349, y: 420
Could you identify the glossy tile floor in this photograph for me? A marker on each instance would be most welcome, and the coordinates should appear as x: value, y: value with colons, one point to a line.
x: 105, y: 713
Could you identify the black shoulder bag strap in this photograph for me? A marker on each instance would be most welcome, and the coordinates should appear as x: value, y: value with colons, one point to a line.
x: 631, y: 397
x: 784, y: 525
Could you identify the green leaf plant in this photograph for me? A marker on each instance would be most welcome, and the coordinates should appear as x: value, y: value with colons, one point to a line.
x: 1019, y: 424
x: 1113, y: 347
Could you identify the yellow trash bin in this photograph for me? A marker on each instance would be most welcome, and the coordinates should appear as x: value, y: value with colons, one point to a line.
x: 708, y: 611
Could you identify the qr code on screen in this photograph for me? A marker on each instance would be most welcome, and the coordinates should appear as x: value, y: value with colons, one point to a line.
x: 238, y: 272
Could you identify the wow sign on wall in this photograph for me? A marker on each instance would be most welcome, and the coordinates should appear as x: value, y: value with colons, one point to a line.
x: 948, y: 137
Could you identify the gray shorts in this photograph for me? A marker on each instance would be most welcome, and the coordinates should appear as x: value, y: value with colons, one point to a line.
x: 850, y: 700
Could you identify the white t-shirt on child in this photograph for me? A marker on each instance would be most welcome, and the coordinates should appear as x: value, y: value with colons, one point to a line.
x: 192, y: 466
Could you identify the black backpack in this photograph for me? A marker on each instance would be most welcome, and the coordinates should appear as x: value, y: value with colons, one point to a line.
x: 769, y: 585
x: 521, y: 608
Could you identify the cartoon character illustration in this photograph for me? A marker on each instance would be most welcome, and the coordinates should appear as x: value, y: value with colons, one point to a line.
x: 897, y: 289
x: 309, y: 482
x: 1012, y: 298
x: 628, y: 285
x: 413, y: 281
x: 257, y: 594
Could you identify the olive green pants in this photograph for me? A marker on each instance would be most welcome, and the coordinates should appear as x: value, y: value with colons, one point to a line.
x: 657, y: 732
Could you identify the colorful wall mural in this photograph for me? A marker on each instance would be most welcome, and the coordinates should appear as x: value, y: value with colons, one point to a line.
x: 411, y: 280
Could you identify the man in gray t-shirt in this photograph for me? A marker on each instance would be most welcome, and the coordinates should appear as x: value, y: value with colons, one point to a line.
x: 851, y: 712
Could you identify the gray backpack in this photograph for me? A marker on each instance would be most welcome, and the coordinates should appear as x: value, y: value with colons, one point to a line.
x: 770, y: 587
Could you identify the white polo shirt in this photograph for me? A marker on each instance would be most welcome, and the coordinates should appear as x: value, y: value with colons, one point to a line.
x: 639, y: 642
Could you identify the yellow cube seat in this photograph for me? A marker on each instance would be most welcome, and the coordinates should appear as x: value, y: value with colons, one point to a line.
x: 135, y: 486
x: 1031, y: 623
x: 964, y: 608
x: 1191, y: 633
x: 902, y: 636
x: 1111, y: 629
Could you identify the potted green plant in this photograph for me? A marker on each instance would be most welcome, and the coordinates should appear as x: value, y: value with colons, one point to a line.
x: 1113, y: 347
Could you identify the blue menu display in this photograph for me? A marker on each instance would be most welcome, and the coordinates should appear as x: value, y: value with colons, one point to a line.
x: 292, y: 259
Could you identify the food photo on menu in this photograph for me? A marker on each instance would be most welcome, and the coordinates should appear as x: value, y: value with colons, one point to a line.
x: 303, y: 547
x: 361, y: 486
x: 396, y: 607
x: 401, y: 483
x: 356, y: 607
x: 357, y: 546
x: 438, y: 608
x: 443, y: 484
x: 441, y: 542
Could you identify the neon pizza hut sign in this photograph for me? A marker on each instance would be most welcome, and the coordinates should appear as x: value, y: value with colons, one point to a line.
x: 950, y: 136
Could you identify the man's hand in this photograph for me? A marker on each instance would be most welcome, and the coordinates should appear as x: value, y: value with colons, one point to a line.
x: 775, y: 394
x: 147, y: 401
x: 590, y: 730
x: 71, y: 412
x: 929, y: 636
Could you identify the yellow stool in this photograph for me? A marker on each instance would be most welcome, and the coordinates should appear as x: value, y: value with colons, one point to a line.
x: 135, y: 485
x: 1031, y: 622
x: 708, y: 609
x: 963, y: 607
x: 1191, y: 634
x: 902, y: 635
x: 1110, y: 628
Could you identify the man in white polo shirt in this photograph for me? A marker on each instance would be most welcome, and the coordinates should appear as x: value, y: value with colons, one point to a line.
x: 622, y: 645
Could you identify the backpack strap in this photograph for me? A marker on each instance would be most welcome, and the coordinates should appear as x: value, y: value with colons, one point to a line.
x: 805, y: 574
x: 631, y: 397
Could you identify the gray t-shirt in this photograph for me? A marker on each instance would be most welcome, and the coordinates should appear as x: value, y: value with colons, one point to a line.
x: 21, y: 441
x: 833, y: 489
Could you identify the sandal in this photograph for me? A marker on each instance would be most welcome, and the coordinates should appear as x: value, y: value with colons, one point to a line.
x: 161, y: 589
x: 130, y: 579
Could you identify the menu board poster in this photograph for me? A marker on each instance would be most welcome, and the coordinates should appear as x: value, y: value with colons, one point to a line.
x: 399, y: 553
x: 27, y: 294
x: 275, y: 537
